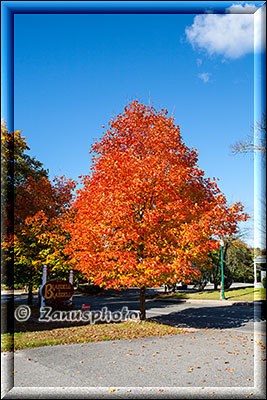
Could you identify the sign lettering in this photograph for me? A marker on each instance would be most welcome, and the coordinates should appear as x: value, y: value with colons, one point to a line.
x: 57, y: 290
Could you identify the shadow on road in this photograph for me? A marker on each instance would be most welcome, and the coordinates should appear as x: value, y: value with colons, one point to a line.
x: 207, y: 317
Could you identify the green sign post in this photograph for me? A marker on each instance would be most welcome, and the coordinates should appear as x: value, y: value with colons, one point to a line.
x: 222, y: 277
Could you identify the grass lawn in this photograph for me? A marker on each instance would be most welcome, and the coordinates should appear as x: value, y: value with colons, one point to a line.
x: 85, y: 333
x: 242, y: 294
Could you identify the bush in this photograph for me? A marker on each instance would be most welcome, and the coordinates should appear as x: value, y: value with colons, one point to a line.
x: 18, y: 286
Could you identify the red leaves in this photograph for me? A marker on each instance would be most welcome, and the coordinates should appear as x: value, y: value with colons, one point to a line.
x: 146, y: 213
x: 40, y: 195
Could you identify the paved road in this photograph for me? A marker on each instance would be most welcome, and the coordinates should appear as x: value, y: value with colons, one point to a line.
x: 192, y: 314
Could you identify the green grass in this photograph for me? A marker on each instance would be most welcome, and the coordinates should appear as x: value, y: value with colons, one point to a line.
x: 86, y: 333
x: 242, y: 294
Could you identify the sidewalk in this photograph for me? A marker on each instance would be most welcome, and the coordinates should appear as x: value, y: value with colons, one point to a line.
x: 198, y: 361
x: 215, y: 302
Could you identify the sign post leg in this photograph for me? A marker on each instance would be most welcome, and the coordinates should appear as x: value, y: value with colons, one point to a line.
x: 43, y: 282
x: 71, y: 281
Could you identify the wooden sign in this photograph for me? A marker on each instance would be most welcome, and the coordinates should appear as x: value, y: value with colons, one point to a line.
x: 57, y: 290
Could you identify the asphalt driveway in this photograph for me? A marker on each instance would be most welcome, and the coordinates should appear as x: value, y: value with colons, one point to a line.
x: 207, y: 360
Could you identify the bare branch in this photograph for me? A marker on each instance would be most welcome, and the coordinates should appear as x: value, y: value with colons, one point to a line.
x: 248, y: 145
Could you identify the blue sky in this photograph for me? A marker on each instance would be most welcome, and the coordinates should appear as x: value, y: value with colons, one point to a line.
x: 74, y: 72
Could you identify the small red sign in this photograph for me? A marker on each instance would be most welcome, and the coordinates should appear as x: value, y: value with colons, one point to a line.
x: 57, y: 290
x: 86, y: 307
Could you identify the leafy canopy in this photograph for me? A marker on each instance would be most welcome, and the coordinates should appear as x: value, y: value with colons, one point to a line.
x: 146, y: 214
x: 14, y: 158
x: 32, y: 210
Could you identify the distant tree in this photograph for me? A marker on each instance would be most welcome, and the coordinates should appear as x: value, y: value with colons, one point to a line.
x: 248, y: 145
x: 239, y: 262
x: 237, y: 265
x: 146, y: 215
x: 257, y: 144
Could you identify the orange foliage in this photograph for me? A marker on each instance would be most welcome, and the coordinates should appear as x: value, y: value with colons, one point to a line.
x: 146, y: 215
x: 39, y: 237
x: 40, y: 195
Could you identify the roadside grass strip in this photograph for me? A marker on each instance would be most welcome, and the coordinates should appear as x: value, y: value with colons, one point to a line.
x: 86, y: 333
x: 242, y: 294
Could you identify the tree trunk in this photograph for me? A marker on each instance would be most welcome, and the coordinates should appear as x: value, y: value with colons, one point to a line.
x: 142, y: 303
x: 39, y: 298
x: 29, y: 302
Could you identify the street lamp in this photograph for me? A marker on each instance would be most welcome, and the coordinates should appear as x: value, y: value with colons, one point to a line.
x: 222, y: 277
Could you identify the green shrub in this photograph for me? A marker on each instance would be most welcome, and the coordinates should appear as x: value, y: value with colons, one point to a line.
x: 264, y: 282
x: 18, y: 286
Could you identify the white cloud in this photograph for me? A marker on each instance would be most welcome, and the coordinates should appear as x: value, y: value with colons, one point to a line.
x: 205, y: 76
x: 230, y: 35
x: 239, y: 9
x: 199, y: 62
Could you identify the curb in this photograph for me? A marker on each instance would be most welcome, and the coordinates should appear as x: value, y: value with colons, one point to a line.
x: 222, y: 302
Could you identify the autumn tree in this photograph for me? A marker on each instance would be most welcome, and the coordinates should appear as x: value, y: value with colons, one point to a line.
x: 40, y: 240
x: 146, y: 215
x: 39, y: 237
x: 16, y: 167
x: 14, y: 150
x: 32, y: 210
